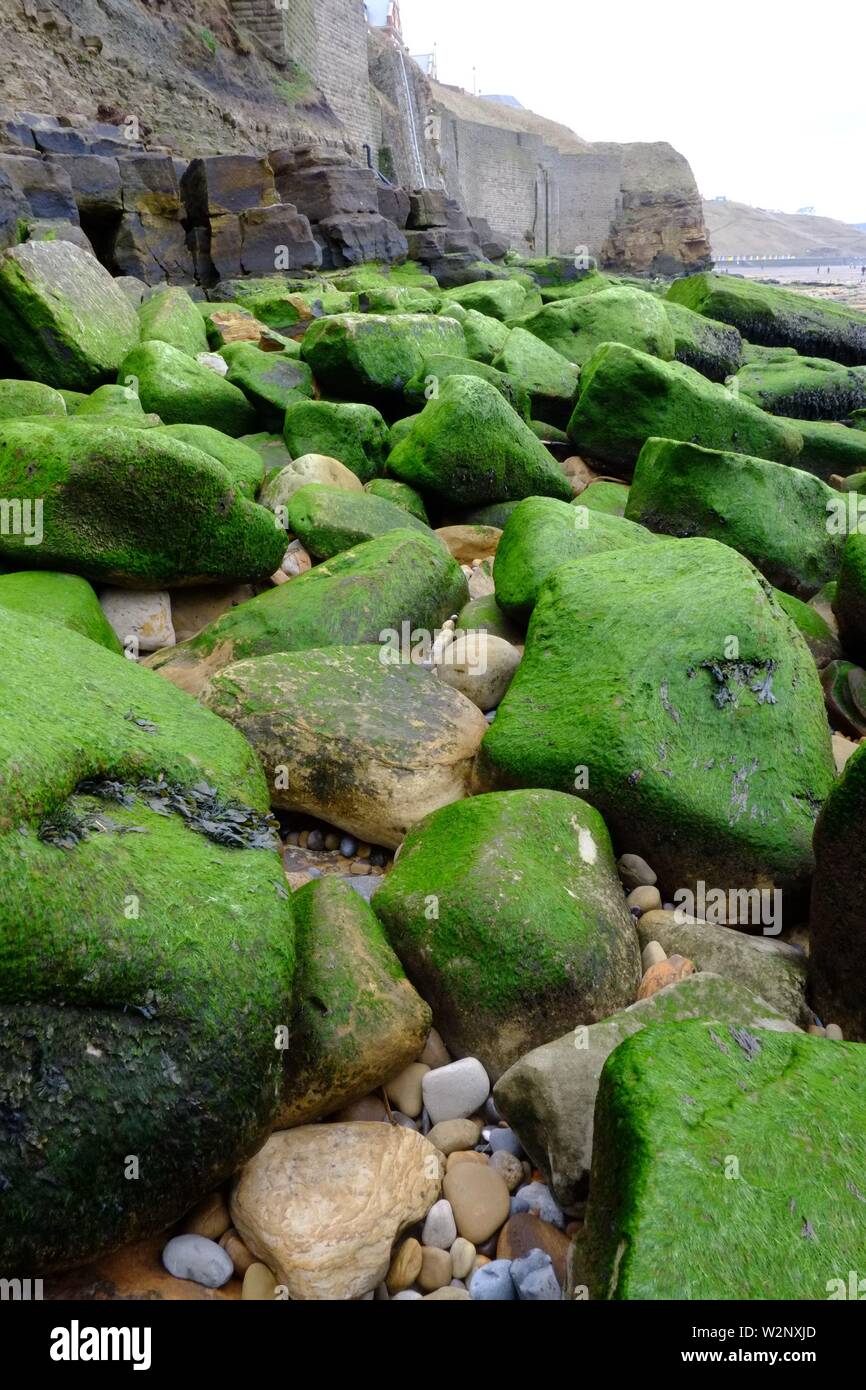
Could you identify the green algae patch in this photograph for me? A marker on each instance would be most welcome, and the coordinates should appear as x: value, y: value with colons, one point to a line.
x: 353, y: 433
x: 550, y: 380
x: 271, y: 381
x: 425, y: 384
x: 484, y: 336
x: 575, y: 327
x: 678, y: 1103
x: 508, y: 916
x: 370, y: 357
x: 66, y: 599
x: 469, y: 447
x: 20, y: 399
x: 496, y: 299
x: 329, y: 519
x: 713, y: 349
x: 145, y: 966
x: 604, y: 496
x: 170, y: 316
x: 129, y: 507
x: 807, y: 388
x: 542, y: 533
x: 243, y: 464
x: 401, y: 494
x: 777, y: 516
x: 709, y: 758
x: 627, y: 397
x: 181, y: 391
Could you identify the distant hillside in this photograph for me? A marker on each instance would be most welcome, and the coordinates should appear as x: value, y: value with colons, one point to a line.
x: 738, y: 230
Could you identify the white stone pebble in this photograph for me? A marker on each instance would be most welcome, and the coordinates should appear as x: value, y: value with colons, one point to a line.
x: 456, y: 1091
x: 440, y: 1228
x: 199, y: 1259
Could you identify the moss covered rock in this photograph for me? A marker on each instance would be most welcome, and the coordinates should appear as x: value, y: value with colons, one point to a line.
x: 403, y: 577
x: 544, y: 373
x: 331, y: 519
x: 243, y: 464
x: 183, y: 392
x: 426, y: 383
x: 575, y: 327
x: 509, y: 918
x: 829, y: 448
x: 627, y: 397
x: 130, y: 507
x: 170, y: 316
x: 548, y: 1097
x: 62, y: 318
x: 836, y: 985
x: 280, y: 487
x: 541, y: 534
x: 497, y: 299
x: 401, y: 494
x: 21, y: 399
x: 468, y: 446
x: 605, y: 496
x: 484, y: 615
x: 146, y: 950
x: 118, y: 405
x: 370, y: 357
x: 485, y: 336
x: 271, y: 381
x: 369, y: 745
x: 776, y: 318
x: 713, y: 349
x: 807, y: 388
x: 665, y: 683
x: 676, y: 1103
x: 356, y: 1020
x: 849, y: 601
x: 820, y: 638
x: 66, y: 599
x: 356, y: 434
x: 774, y: 515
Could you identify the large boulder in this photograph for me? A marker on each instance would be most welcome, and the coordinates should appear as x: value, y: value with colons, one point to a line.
x: 775, y: 515
x: 130, y: 507
x: 484, y: 336
x: 837, y: 988
x: 666, y: 684
x: 469, y: 447
x: 509, y: 918
x: 549, y: 378
x: 66, y: 599
x: 329, y: 519
x: 830, y: 448
x: 575, y: 327
x: 356, y: 1020
x: 342, y: 733
x: 370, y: 357
x: 361, y: 595
x: 713, y: 349
x: 428, y: 381
x: 62, y: 318
x: 706, y: 1134
x: 808, y: 388
x: 354, y: 434
x: 147, y: 949
x: 627, y: 397
x: 170, y: 316
x: 181, y: 391
x: 775, y: 317
x: 21, y: 399
x: 548, y: 1096
x: 242, y: 463
x: 542, y: 533
x: 849, y: 600
x: 271, y: 381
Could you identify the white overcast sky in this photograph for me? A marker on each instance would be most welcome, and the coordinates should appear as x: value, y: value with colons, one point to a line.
x: 765, y: 99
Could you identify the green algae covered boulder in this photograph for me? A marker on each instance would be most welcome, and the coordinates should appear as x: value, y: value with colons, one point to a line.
x: 705, y: 1141
x: 361, y: 595
x: 509, y: 918
x: 605, y: 496
x: 271, y: 381
x: 22, y: 399
x: 355, y: 434
x: 170, y: 316
x: 666, y: 685
x: 849, y: 601
x: 836, y: 986
x: 181, y: 391
x: 329, y: 519
x: 575, y: 327
x: 776, y: 318
x: 485, y: 336
x: 357, y: 735
x: 115, y: 405
x: 397, y: 299
x: 129, y: 507
x: 627, y: 397
x: 356, y: 1020
x: 829, y: 448
x: 469, y: 447
x: 497, y: 299
x: 541, y: 534
x: 66, y: 599
x: 775, y: 515
x: 549, y: 378
x: 426, y: 383
x: 242, y: 463
x: 548, y: 1097
x: 400, y: 494
x: 808, y: 388
x: 63, y: 320
x: 146, y: 946
x: 713, y: 349
x: 370, y: 357
x: 484, y: 615
x: 819, y: 636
